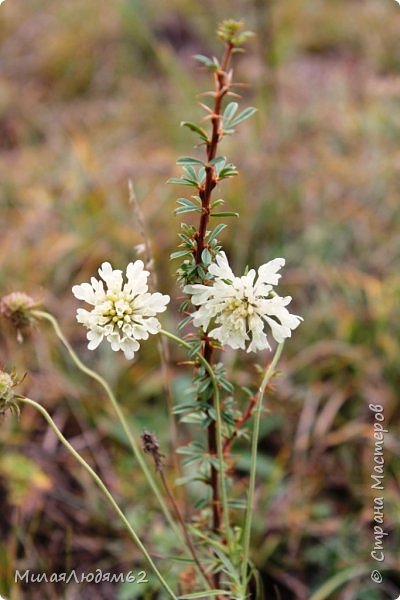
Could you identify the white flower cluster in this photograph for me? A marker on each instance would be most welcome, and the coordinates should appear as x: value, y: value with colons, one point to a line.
x: 242, y: 306
x: 123, y: 313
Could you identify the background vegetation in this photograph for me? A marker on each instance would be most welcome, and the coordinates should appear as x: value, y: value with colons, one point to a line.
x: 91, y: 94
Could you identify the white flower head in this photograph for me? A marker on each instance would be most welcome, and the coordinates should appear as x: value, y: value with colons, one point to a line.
x: 122, y: 313
x: 241, y: 307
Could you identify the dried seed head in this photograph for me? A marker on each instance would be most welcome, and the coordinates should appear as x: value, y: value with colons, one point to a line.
x: 8, y: 398
x: 17, y: 309
x: 151, y: 446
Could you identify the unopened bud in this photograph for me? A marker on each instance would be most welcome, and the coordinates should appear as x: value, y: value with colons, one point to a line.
x: 8, y: 398
x: 230, y: 32
x: 17, y: 309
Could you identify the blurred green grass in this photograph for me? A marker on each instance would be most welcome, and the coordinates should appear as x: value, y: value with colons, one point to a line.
x: 90, y: 98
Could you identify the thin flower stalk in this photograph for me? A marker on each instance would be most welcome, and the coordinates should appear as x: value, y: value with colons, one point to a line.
x: 253, y: 465
x: 104, y: 490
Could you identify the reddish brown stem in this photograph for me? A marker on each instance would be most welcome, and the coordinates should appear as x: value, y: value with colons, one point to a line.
x: 239, y: 424
x: 212, y: 448
x: 222, y: 84
x: 221, y: 89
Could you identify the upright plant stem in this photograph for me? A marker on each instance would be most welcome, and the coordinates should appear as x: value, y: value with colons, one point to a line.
x: 135, y: 448
x: 105, y: 491
x: 205, y: 192
x: 221, y: 89
x: 253, y: 468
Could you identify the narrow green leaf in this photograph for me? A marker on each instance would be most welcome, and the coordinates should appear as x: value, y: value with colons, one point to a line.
x: 228, y: 419
x: 193, y: 419
x: 206, y: 257
x: 204, y: 60
x: 216, y: 232
x: 202, y: 175
x: 182, y: 181
x: 186, y: 206
x: 246, y: 114
x: 189, y: 160
x: 184, y: 408
x: 212, y: 413
x: 194, y: 350
x: 190, y: 173
x: 188, y: 451
x: 179, y: 253
x: 226, y: 385
x: 184, y: 209
x: 249, y: 393
x: 185, y: 202
x: 185, y: 321
x: 229, y: 171
x: 196, y: 129
x: 205, y: 385
x: 188, y: 479
x: 203, y: 536
x: 190, y: 460
x: 218, y: 160
x: 228, y: 566
x: 184, y: 306
x: 225, y: 214
x: 230, y: 111
x: 217, y: 202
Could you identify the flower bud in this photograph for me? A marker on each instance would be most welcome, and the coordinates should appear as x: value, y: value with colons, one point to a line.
x: 8, y: 398
x: 230, y: 32
x: 6, y: 385
x: 17, y: 309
